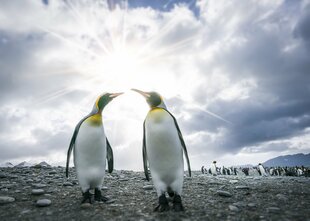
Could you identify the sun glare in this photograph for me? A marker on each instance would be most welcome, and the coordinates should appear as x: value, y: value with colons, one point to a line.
x: 107, y: 58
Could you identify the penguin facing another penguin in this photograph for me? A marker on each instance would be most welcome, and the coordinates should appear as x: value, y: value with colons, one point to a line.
x: 91, y: 148
x: 163, y: 148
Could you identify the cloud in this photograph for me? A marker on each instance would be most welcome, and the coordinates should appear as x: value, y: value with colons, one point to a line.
x: 234, y: 75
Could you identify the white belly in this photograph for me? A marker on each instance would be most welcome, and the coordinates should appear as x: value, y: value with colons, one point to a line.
x: 213, y: 169
x: 164, y: 152
x: 90, y: 156
x: 262, y: 170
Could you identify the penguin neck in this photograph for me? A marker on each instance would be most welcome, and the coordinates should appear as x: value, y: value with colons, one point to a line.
x: 95, y: 119
x: 161, y: 105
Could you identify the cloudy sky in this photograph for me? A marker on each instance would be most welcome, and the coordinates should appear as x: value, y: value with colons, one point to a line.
x: 236, y: 75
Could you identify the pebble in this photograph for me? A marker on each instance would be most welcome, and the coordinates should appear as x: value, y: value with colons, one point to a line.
x: 239, y: 204
x: 67, y: 184
x: 233, y: 181
x: 25, y: 211
x: 104, y: 188
x: 281, y: 197
x: 242, y: 187
x: 49, y: 213
x: 148, y: 187
x: 38, y: 185
x: 75, y: 182
x: 2, y: 175
x: 37, y: 191
x: 43, y: 202
x: 6, y: 199
x: 123, y: 179
x: 9, y: 186
x: 110, y: 201
x: 52, y: 172
x: 13, y: 176
x: 251, y: 205
x: 5, y: 190
x: 273, y: 209
x: 214, y: 183
x: 224, y: 193
x: 233, y: 208
x: 85, y: 205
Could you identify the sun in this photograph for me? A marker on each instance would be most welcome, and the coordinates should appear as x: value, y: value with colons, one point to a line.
x: 108, y: 58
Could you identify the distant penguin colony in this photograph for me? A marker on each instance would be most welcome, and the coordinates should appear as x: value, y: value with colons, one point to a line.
x: 91, y: 148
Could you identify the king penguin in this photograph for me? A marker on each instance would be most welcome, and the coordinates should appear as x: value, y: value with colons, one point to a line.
x: 262, y: 170
x: 163, y: 148
x: 91, y: 148
x: 213, y: 168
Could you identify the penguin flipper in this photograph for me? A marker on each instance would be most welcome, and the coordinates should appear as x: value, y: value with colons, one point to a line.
x: 146, y: 171
x: 71, y: 146
x: 182, y: 143
x: 72, y: 142
x: 109, y: 156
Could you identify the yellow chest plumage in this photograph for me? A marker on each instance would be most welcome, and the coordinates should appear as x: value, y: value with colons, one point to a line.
x: 94, y: 120
x: 156, y: 114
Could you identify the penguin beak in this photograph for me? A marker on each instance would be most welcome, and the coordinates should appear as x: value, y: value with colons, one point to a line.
x: 114, y: 95
x: 144, y: 94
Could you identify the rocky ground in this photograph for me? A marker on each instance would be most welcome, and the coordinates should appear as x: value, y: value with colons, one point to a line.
x: 45, y: 194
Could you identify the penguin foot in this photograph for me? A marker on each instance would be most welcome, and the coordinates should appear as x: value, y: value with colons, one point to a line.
x: 177, y: 204
x: 100, y: 198
x: 171, y: 193
x: 163, y: 204
x: 87, y: 198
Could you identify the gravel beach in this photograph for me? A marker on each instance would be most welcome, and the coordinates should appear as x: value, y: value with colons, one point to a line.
x: 45, y: 194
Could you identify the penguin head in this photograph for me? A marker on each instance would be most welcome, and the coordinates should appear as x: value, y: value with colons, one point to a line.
x: 103, y: 100
x: 152, y: 98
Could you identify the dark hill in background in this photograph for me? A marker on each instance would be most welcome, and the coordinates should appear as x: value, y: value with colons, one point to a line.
x: 289, y: 160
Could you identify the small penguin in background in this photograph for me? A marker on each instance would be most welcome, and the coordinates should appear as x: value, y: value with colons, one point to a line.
x: 223, y: 170
x: 213, y: 168
x: 163, y: 148
x: 91, y: 148
x: 261, y: 170
x: 272, y: 171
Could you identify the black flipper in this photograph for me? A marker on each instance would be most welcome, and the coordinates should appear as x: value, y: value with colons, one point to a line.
x: 109, y: 157
x: 182, y: 143
x: 146, y: 171
x: 72, y: 142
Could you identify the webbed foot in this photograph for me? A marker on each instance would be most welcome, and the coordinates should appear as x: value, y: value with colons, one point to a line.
x: 163, y: 204
x: 100, y: 198
x: 177, y: 204
x: 87, y: 198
